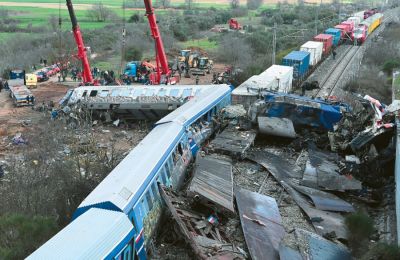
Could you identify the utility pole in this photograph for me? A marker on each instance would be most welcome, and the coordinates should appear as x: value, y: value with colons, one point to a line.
x: 123, y: 39
x: 274, y: 45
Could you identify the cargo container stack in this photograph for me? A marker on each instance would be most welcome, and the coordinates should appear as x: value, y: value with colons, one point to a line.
x: 315, y: 49
x: 300, y: 61
x: 327, y: 40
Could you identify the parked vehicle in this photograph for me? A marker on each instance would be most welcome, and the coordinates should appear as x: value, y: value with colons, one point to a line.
x: 234, y: 24
x: 21, y: 95
x: 31, y: 80
x: 41, y: 76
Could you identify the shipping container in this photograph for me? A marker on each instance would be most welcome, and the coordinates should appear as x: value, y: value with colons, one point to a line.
x: 350, y: 26
x: 282, y: 78
x: 315, y: 49
x: 356, y: 20
x: 300, y: 61
x: 275, y: 78
x: 326, y: 39
x: 336, y: 35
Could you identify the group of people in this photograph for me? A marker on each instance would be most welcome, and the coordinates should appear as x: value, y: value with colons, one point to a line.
x: 30, y: 100
x: 3, y: 84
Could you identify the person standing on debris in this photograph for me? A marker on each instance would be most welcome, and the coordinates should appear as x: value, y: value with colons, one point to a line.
x: 197, y: 80
x: 1, y: 84
x: 32, y: 100
x: 27, y: 99
x: 333, y: 54
x: 59, y: 76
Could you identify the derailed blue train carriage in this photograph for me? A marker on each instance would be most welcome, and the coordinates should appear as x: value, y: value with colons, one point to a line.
x: 304, y: 111
x: 131, y: 188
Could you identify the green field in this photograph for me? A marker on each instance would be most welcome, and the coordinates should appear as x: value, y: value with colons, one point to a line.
x: 201, y: 43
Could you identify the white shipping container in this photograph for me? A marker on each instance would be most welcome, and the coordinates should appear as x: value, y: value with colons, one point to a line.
x: 282, y: 78
x: 355, y: 19
x: 315, y: 50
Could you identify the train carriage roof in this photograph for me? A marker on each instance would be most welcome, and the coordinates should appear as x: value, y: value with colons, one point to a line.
x: 191, y: 111
x: 97, y: 234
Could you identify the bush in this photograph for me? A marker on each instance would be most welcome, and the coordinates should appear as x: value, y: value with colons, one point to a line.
x: 360, y: 227
x: 382, y: 251
x: 133, y: 53
x: 389, y: 65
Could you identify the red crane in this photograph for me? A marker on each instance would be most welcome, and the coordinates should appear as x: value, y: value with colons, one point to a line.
x: 87, y: 77
x: 162, y: 75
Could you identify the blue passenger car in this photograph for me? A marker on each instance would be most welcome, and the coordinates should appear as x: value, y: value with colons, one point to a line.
x: 131, y: 188
x: 336, y: 35
x: 299, y: 60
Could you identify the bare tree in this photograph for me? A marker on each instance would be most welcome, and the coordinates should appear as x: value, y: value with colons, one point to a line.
x: 189, y: 4
x: 254, y: 4
x: 234, y: 3
x: 100, y: 13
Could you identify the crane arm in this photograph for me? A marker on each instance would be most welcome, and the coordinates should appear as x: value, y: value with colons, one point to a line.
x: 87, y: 74
x: 160, y: 53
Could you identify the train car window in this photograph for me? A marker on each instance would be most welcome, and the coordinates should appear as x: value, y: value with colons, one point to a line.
x: 144, y: 206
x: 180, y: 151
x: 163, y: 178
x: 186, y: 92
x: 168, y: 171
x: 174, y: 92
x: 149, y: 200
x: 93, y: 93
x: 138, y: 92
x: 162, y: 92
x: 154, y: 190
x: 103, y: 93
x: 84, y: 93
x: 150, y: 92
x: 115, y: 93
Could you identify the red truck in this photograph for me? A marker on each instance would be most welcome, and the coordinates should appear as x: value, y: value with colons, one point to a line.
x: 234, y: 24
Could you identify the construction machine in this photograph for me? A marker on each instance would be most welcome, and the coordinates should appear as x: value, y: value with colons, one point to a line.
x: 87, y: 77
x: 234, y: 24
x: 205, y: 66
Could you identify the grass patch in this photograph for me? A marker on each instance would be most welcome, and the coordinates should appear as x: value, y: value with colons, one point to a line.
x: 201, y: 43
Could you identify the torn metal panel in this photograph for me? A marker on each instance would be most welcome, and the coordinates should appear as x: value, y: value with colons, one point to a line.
x: 316, y: 247
x: 324, y: 200
x: 203, y: 236
x: 280, y: 168
x: 276, y: 126
x: 287, y: 253
x: 325, y: 223
x: 366, y: 137
x: 261, y: 223
x: 233, y: 142
x: 328, y: 176
x: 212, y: 180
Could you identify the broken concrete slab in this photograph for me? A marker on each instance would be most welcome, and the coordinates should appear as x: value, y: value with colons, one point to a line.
x: 313, y: 246
x: 213, y: 181
x: 276, y: 126
x: 261, y: 223
x: 233, y: 142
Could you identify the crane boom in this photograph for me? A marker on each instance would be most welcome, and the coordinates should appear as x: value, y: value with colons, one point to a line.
x: 161, y: 57
x: 86, y: 73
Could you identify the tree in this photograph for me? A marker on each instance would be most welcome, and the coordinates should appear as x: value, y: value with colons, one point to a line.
x: 254, y: 4
x: 189, y: 4
x: 133, y: 53
x: 234, y: 51
x: 100, y: 13
x: 234, y: 4
x: 165, y: 3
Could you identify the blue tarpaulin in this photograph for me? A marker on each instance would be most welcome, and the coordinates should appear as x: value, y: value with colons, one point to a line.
x: 304, y: 111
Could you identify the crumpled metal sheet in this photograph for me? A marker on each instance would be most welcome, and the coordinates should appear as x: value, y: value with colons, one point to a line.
x: 261, y: 224
x: 325, y: 223
x: 212, y: 179
x: 276, y: 126
x: 328, y: 176
x: 315, y: 247
x: 233, y: 142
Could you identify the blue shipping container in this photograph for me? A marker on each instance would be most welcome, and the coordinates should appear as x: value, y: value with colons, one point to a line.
x: 336, y: 35
x: 299, y: 60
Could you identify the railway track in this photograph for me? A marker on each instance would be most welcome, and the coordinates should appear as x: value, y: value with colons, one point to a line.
x: 331, y: 81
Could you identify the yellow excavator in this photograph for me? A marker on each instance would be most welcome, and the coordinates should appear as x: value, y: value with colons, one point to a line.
x: 192, y: 62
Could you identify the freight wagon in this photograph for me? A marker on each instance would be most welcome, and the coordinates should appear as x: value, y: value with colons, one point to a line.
x: 315, y: 49
x: 366, y: 27
x: 300, y: 61
x: 336, y: 35
x: 327, y: 40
